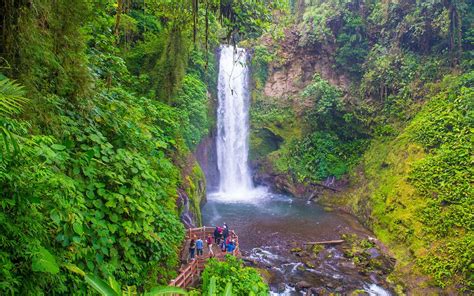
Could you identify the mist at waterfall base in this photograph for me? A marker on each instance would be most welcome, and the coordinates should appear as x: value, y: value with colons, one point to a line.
x: 268, y: 224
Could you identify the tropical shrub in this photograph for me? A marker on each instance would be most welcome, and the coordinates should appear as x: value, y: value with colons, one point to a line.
x: 244, y: 280
x: 260, y: 60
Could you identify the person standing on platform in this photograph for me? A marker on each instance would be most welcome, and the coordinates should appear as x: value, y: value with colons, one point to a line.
x: 199, y: 246
x: 209, y: 245
x: 192, y: 248
x: 225, y: 232
x: 216, y: 235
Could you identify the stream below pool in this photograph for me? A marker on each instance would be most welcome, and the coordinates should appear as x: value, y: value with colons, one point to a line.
x: 272, y: 229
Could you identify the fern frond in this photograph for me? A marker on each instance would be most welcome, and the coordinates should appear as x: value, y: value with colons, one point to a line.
x: 11, y: 101
x: 11, y: 97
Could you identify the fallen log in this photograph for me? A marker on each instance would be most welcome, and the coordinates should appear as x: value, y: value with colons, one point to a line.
x: 332, y: 242
x: 325, y: 186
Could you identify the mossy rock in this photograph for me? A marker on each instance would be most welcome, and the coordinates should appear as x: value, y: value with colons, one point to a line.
x: 316, y: 249
x: 265, y: 274
x: 358, y: 292
x: 301, y: 268
x: 296, y: 250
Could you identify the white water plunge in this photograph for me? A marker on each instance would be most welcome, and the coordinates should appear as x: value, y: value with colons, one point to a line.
x: 233, y: 123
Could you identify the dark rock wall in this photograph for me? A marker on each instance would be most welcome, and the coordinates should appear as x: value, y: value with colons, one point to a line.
x: 206, y: 155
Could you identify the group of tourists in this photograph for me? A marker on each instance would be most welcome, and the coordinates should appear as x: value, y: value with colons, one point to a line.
x: 221, y: 237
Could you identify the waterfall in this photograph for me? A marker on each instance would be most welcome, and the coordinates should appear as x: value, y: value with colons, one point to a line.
x: 233, y: 122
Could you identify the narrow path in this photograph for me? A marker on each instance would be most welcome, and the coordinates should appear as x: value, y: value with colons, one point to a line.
x: 190, y: 273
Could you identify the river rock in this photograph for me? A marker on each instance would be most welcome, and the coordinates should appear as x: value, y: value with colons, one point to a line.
x: 281, y: 287
x: 373, y: 252
x: 318, y: 291
x: 302, y: 285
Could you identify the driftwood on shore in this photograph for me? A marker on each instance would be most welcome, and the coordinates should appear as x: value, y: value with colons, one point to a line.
x: 331, y: 242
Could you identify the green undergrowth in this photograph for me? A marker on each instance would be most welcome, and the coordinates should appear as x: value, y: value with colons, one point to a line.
x: 308, y: 137
x: 273, y: 128
x: 195, y: 187
x: 101, y: 196
x: 103, y: 142
x: 415, y: 190
x: 245, y: 280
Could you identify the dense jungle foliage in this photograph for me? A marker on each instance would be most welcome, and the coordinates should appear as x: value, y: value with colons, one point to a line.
x: 101, y: 104
x: 389, y: 113
x: 244, y: 280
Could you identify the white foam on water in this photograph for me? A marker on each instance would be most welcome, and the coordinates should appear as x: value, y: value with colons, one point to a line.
x: 240, y: 196
x: 288, y: 291
x: 375, y: 290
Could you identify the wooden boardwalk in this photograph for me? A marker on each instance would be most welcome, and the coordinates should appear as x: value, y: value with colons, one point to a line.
x: 190, y: 273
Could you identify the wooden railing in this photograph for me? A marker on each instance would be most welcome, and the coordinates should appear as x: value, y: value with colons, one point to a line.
x: 190, y: 274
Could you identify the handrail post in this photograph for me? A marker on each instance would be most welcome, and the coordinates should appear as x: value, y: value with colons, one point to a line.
x: 192, y: 270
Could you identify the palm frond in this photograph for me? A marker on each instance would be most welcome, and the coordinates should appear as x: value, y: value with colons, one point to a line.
x: 11, y: 101
x: 11, y: 97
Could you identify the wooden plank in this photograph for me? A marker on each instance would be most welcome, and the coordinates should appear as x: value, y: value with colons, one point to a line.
x: 192, y: 271
x: 339, y: 241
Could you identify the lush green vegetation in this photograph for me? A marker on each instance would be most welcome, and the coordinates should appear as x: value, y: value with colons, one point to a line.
x: 416, y: 187
x: 390, y: 110
x: 244, y: 280
x: 332, y: 143
x: 103, y: 102
x: 389, y: 51
x: 97, y: 142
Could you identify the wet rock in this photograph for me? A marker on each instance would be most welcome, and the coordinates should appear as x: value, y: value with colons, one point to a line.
x: 249, y: 261
x: 373, y: 252
x: 206, y: 156
x: 301, y: 268
x: 359, y: 292
x: 281, y: 287
x: 309, y: 264
x: 318, y: 291
x: 302, y: 285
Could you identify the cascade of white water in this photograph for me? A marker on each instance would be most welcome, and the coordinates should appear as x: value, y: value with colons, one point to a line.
x: 233, y: 122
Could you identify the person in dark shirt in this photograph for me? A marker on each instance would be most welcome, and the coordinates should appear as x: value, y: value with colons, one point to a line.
x: 192, y: 248
x: 217, y: 235
x: 225, y: 232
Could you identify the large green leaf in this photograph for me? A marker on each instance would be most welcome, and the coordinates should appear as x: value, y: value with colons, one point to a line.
x: 44, y: 261
x: 159, y: 291
x: 212, y: 287
x: 100, y: 286
x: 114, y: 284
x: 77, y: 226
x: 75, y: 269
x: 228, y: 289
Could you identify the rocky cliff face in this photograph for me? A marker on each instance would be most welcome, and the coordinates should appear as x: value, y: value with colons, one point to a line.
x: 191, y: 193
x: 292, y: 69
x: 206, y: 156
x: 296, y: 65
